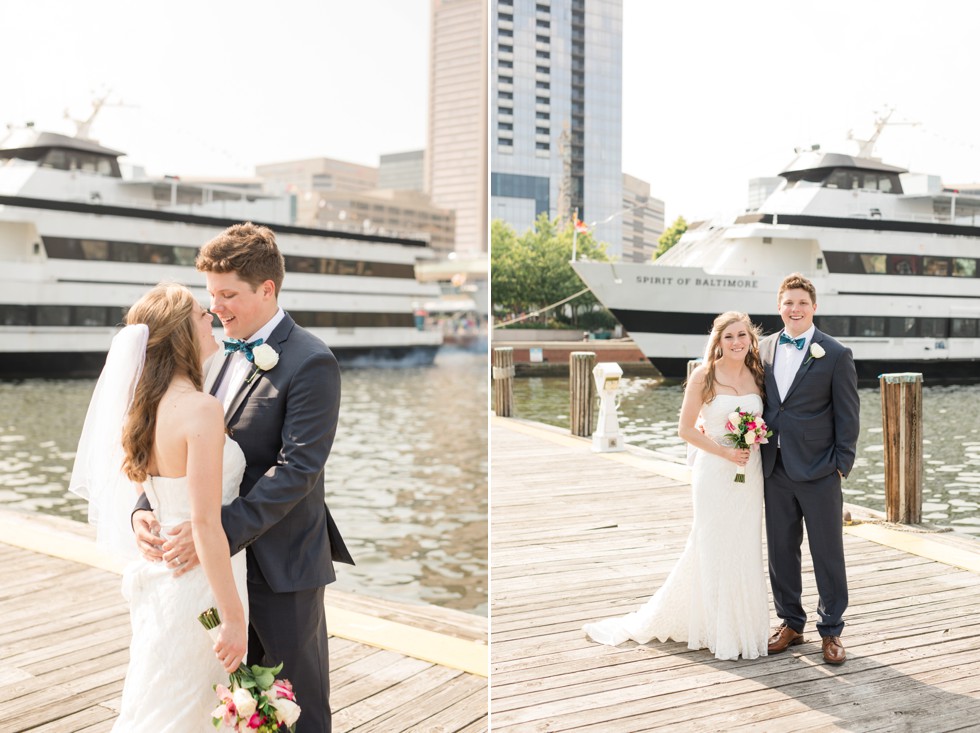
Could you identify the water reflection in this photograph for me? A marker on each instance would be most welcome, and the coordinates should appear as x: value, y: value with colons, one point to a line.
x: 406, y: 480
x: 648, y: 410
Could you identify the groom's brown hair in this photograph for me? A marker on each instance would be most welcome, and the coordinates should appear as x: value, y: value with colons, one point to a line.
x: 247, y: 249
x: 797, y: 282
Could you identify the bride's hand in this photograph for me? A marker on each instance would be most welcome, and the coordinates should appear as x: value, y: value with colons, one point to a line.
x: 148, y: 539
x: 739, y: 456
x: 231, y: 644
x: 179, y: 551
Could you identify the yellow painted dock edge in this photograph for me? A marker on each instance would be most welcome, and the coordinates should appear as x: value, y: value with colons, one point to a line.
x: 912, y: 543
x: 441, y: 649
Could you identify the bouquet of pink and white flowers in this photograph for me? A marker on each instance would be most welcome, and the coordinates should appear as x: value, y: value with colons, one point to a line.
x: 745, y: 430
x: 254, y: 701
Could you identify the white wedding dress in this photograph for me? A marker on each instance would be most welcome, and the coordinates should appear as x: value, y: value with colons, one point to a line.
x: 715, y: 597
x: 172, y: 666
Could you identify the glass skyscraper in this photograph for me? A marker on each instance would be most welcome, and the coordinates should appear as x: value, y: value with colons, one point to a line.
x: 556, y: 113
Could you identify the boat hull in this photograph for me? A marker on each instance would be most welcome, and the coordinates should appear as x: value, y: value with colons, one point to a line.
x: 668, y: 312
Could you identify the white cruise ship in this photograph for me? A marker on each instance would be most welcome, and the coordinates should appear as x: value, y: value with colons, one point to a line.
x: 893, y: 256
x: 79, y: 243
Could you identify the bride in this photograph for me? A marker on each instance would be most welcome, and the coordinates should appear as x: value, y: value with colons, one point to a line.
x: 715, y: 597
x: 150, y: 428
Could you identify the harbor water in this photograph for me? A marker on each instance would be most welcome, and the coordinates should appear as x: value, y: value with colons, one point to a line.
x: 649, y: 407
x: 406, y: 480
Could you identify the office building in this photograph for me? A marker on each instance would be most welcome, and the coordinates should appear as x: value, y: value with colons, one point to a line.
x: 556, y: 113
x: 643, y: 220
x: 456, y: 153
x: 402, y: 171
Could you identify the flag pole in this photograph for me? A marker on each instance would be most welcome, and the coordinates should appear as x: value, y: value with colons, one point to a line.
x: 574, y: 231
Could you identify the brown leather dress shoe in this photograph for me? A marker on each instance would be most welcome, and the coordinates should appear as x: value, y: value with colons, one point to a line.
x: 833, y: 650
x: 783, y: 638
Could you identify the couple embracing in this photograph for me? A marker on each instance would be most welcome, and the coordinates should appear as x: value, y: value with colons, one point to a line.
x: 205, y: 470
x: 804, y: 384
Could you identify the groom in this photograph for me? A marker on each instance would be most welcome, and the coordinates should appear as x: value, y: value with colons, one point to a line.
x: 282, y: 412
x: 812, y: 408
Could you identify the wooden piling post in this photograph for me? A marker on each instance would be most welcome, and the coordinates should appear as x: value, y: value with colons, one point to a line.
x: 581, y: 393
x: 691, y: 366
x: 503, y: 381
x: 901, y: 418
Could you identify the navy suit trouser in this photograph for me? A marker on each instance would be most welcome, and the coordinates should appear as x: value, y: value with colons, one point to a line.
x: 292, y: 628
x: 818, y: 504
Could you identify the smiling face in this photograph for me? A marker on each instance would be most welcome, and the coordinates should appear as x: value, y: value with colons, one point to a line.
x: 241, y: 309
x: 796, y: 308
x: 735, y: 341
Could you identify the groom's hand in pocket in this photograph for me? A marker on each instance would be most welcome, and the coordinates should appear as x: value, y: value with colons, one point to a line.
x: 148, y: 539
x: 178, y: 549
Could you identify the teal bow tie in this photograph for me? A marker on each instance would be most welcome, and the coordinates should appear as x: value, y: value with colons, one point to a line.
x: 784, y: 338
x: 233, y: 345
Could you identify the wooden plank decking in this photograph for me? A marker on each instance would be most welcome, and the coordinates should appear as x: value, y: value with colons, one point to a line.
x: 578, y: 536
x: 64, y: 647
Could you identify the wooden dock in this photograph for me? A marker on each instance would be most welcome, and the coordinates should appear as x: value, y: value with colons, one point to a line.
x: 579, y: 536
x: 64, y: 645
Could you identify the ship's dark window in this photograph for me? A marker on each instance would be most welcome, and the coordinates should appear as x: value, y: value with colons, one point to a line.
x: 844, y: 262
x: 903, y: 264
x: 835, y: 325
x: 55, y: 159
x: 14, y: 315
x: 963, y: 327
x: 313, y: 319
x: 52, y: 315
x: 185, y: 255
x: 874, y: 264
x: 964, y: 267
x: 156, y: 254
x: 124, y: 252
x: 63, y: 249
x: 901, y: 327
x: 932, y: 328
x: 869, y: 326
x: 938, y: 266
x: 89, y: 315
x: 95, y: 249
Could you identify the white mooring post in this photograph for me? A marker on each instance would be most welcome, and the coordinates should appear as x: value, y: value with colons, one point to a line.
x: 606, y: 438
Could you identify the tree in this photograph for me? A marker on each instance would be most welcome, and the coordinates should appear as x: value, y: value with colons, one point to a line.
x: 671, y: 237
x: 532, y: 271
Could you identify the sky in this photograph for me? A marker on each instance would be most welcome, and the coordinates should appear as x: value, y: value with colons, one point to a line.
x: 716, y: 93
x: 215, y: 87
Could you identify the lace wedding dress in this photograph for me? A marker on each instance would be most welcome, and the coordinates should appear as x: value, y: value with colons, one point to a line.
x: 172, y: 667
x: 715, y: 597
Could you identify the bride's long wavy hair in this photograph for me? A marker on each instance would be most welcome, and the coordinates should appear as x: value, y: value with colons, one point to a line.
x: 172, y: 350
x: 713, y: 352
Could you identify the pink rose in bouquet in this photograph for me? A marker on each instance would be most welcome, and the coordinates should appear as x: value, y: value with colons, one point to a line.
x: 255, y: 701
x: 745, y: 430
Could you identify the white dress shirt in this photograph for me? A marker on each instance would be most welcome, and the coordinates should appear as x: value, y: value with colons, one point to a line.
x: 787, y: 360
x: 240, y: 367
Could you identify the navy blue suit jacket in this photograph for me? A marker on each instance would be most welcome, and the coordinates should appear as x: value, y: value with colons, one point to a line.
x: 818, y: 421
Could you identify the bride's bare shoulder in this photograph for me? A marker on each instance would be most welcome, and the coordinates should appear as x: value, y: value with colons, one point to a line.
x: 697, y: 376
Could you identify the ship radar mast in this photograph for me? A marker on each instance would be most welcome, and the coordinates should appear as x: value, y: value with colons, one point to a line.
x: 866, y: 147
x: 83, y: 127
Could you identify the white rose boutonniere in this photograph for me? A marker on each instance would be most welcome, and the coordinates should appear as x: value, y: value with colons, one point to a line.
x: 816, y: 352
x: 264, y: 357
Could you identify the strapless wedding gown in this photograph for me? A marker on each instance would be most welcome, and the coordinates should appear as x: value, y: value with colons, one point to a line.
x: 172, y: 666
x: 715, y: 597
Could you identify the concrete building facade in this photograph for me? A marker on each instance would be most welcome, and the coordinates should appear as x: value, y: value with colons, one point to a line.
x: 402, y: 171
x: 643, y: 220
x: 456, y: 161
x: 306, y: 178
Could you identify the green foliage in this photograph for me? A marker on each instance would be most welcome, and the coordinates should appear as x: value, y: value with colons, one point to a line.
x: 532, y: 271
x: 671, y: 237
